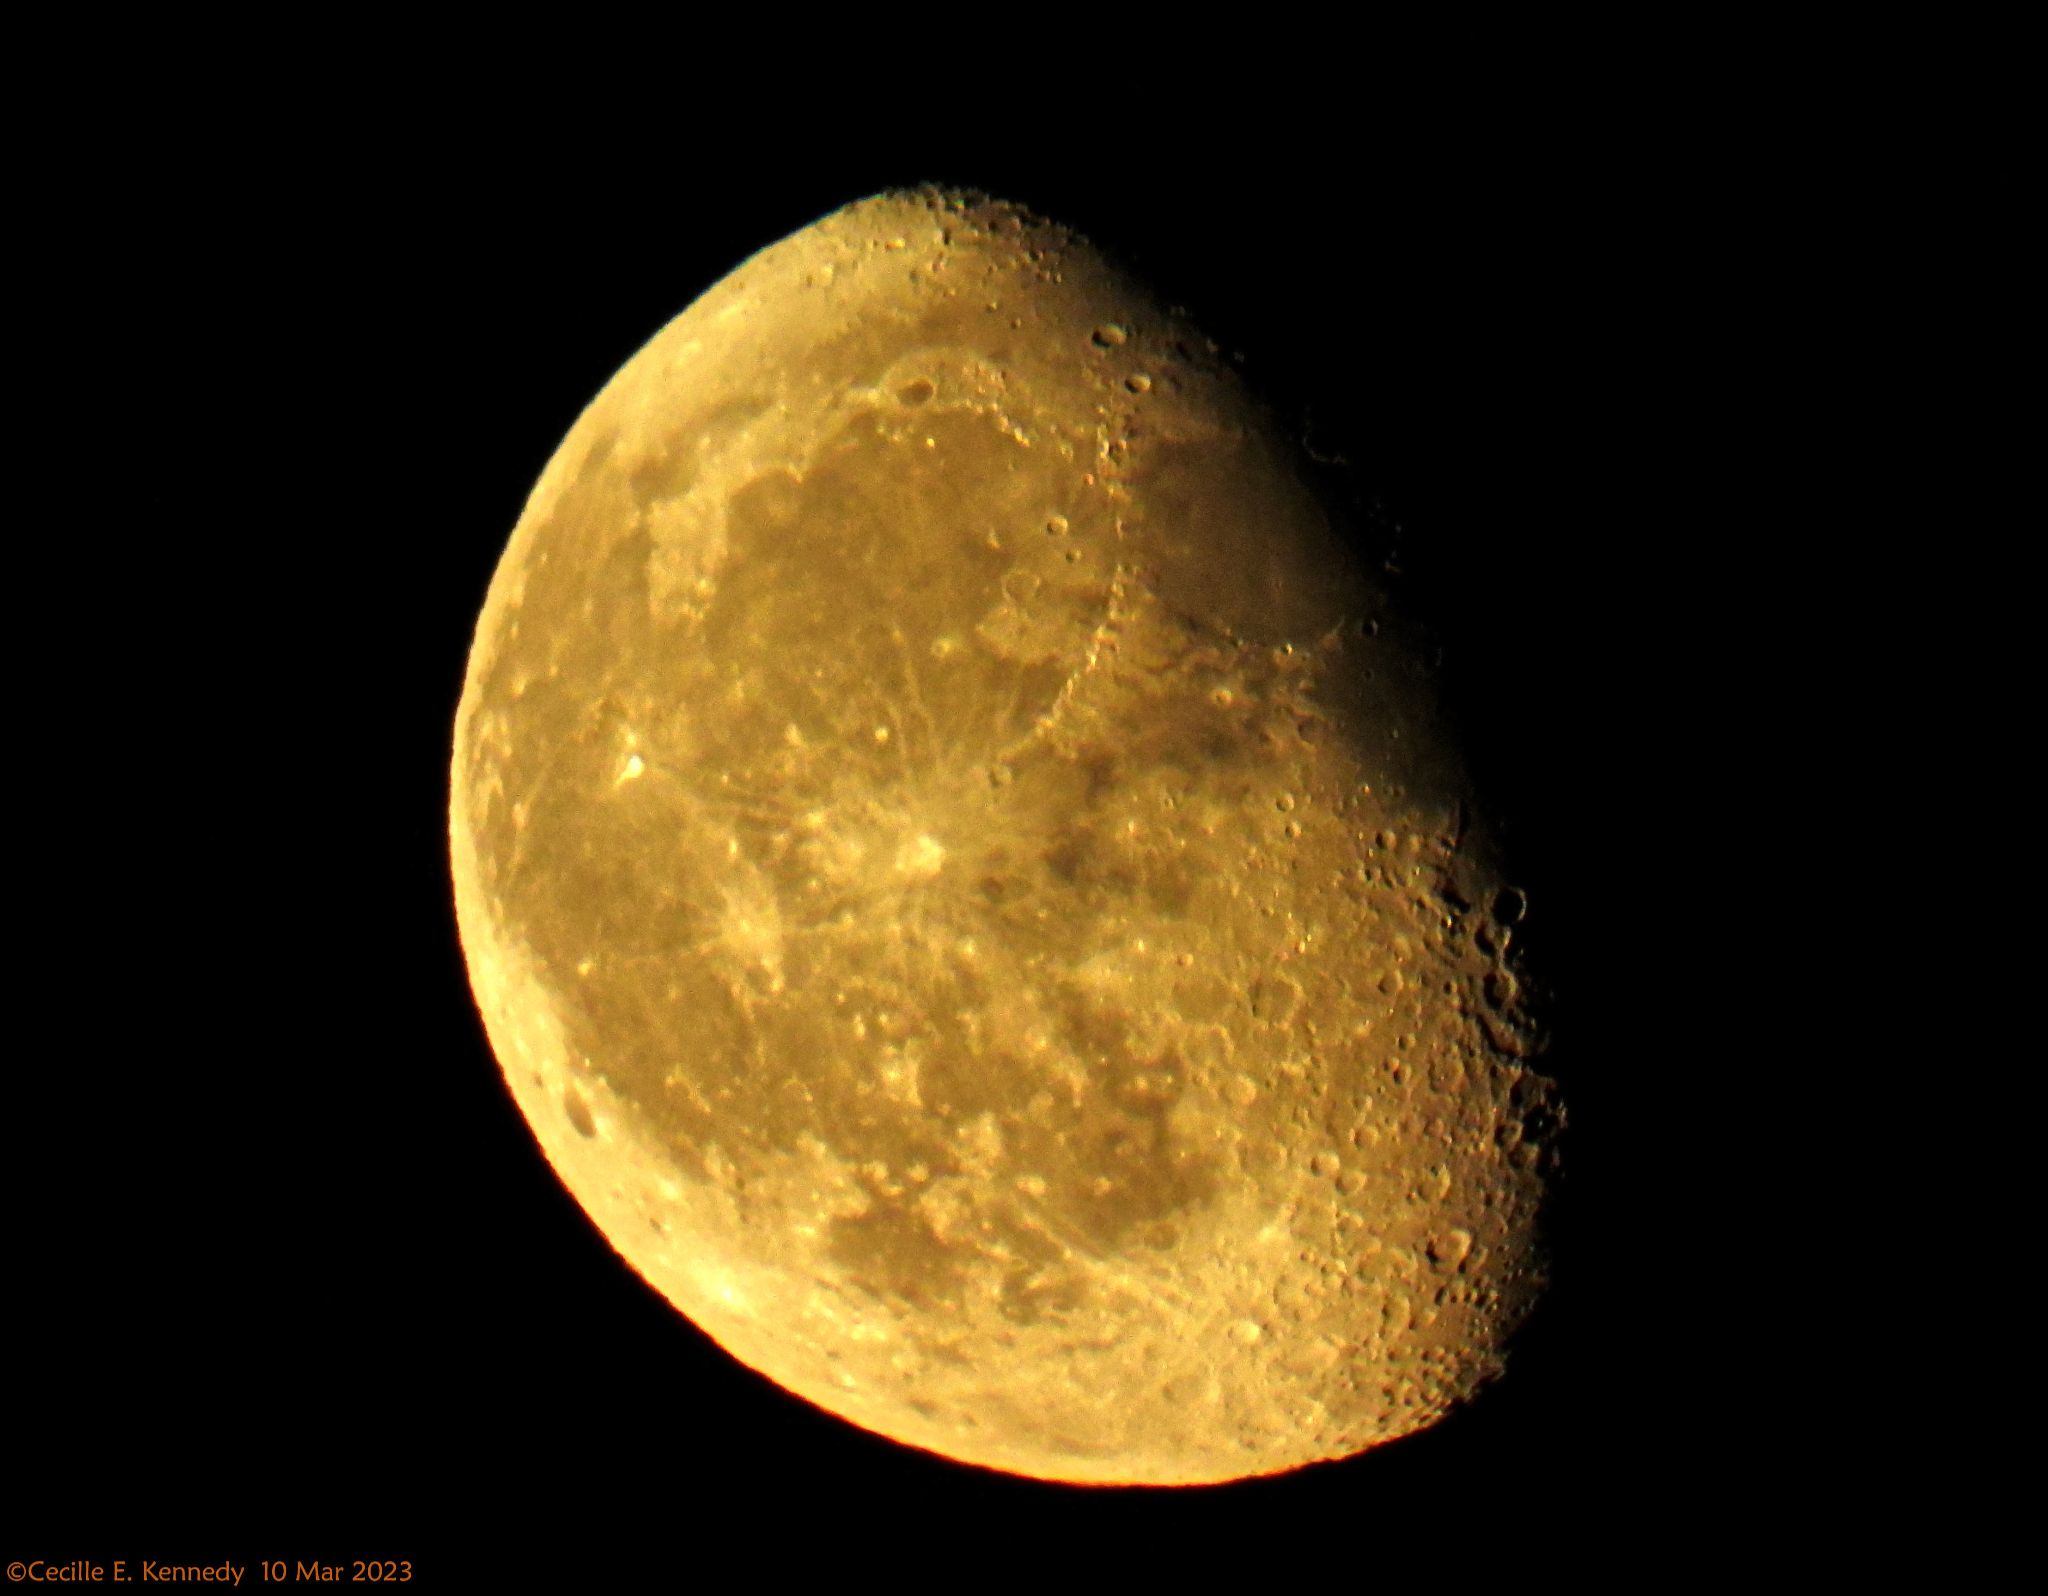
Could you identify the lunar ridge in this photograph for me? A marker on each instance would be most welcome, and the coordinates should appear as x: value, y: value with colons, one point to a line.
x: 960, y: 865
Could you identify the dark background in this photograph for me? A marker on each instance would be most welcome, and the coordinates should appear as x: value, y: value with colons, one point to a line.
x: 288, y: 1275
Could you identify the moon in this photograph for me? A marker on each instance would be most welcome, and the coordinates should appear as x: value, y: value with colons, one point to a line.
x: 964, y: 872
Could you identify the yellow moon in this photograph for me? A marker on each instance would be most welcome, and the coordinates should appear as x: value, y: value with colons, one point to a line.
x: 963, y: 875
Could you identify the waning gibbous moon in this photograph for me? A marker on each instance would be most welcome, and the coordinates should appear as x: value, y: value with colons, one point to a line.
x: 962, y: 871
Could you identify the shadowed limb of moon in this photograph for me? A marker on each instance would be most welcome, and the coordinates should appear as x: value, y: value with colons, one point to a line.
x: 960, y: 868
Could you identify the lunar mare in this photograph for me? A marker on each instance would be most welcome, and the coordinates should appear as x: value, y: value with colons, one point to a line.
x: 961, y: 870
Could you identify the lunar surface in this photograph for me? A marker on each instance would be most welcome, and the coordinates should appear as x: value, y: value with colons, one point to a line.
x: 963, y: 874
